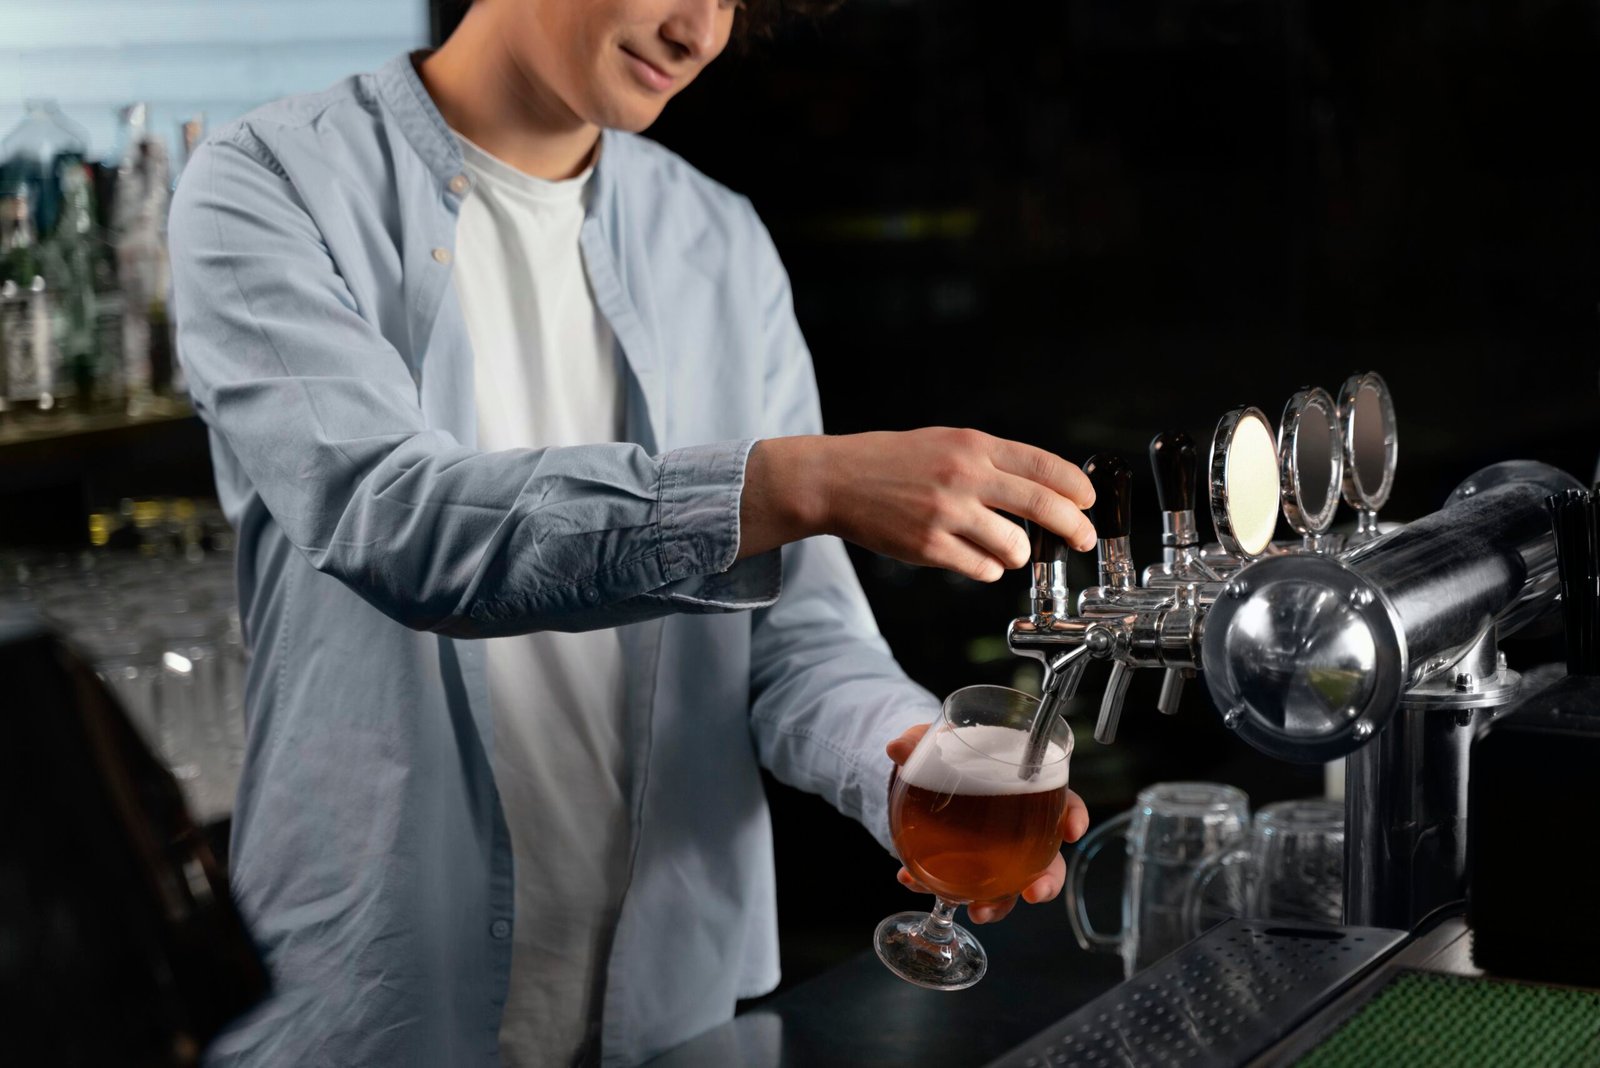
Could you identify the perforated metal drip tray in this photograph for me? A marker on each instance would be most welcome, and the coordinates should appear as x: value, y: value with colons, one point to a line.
x: 1218, y: 1001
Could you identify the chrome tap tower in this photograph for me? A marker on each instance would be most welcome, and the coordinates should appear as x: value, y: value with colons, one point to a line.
x: 1380, y: 645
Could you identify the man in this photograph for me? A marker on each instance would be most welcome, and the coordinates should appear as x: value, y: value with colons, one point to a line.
x: 513, y: 417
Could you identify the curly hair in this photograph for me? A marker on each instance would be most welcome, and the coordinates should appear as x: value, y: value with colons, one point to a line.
x: 759, y: 18
x: 755, y: 18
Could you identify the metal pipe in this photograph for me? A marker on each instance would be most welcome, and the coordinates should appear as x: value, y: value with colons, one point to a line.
x: 1451, y: 574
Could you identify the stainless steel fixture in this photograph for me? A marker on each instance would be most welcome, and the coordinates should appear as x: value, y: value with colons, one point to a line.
x: 1378, y: 646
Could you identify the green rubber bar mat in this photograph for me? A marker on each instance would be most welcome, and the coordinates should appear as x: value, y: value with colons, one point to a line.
x: 1420, y: 1020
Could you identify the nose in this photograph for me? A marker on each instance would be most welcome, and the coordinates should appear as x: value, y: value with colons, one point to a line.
x: 694, y: 30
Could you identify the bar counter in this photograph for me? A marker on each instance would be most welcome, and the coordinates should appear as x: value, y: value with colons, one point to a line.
x: 859, y: 1013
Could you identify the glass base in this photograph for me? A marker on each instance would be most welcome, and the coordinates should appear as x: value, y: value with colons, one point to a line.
x: 952, y: 965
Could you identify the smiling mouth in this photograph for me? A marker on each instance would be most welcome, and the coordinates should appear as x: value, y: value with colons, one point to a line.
x: 647, y: 73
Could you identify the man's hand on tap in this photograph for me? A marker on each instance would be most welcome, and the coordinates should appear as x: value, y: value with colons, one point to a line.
x: 931, y: 497
x: 1044, y: 887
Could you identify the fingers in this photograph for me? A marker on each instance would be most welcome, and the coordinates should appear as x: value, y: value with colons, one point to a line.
x: 900, y: 749
x: 1044, y: 506
x: 990, y: 911
x: 909, y: 881
x: 1044, y: 887
x: 1074, y: 820
x: 958, y: 554
x: 1048, y: 883
x: 996, y: 536
x: 1044, y: 468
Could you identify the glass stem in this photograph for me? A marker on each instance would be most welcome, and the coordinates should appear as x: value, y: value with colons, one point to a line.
x: 937, y: 932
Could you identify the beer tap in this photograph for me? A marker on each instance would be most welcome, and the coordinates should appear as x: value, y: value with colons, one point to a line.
x: 1112, y: 514
x: 1175, y: 462
x: 1050, y: 600
x: 1154, y: 625
x: 1380, y: 648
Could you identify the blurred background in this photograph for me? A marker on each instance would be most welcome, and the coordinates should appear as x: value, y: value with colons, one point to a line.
x: 1075, y: 224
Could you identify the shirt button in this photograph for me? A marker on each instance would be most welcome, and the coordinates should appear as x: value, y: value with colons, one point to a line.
x: 459, y: 184
x: 500, y: 928
x: 441, y: 255
x: 591, y: 595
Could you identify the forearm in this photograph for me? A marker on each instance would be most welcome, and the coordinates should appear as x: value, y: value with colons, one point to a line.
x: 785, y: 493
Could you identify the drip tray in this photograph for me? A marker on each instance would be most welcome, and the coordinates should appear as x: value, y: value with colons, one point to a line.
x: 1218, y: 1001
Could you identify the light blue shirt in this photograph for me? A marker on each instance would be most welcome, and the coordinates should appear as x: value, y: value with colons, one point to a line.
x: 312, y: 244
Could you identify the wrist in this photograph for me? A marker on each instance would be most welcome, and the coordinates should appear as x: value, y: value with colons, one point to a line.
x: 786, y: 484
x: 799, y: 483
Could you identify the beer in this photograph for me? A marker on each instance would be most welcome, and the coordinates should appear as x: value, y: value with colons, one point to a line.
x: 965, y: 824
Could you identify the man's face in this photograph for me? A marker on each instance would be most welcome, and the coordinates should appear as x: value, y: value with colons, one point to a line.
x: 615, y: 63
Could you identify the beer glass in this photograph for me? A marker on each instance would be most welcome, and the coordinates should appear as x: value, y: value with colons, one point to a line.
x: 971, y: 823
x: 1173, y: 828
x: 1290, y: 867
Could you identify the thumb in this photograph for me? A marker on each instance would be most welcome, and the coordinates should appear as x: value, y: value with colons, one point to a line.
x: 900, y: 749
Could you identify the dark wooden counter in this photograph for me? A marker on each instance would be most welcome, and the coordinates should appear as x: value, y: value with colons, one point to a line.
x: 858, y: 1013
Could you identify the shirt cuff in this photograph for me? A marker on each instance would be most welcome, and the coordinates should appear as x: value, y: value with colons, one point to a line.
x: 701, y: 488
x: 700, y: 491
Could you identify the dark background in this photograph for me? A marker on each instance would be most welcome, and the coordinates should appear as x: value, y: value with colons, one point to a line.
x: 1081, y: 223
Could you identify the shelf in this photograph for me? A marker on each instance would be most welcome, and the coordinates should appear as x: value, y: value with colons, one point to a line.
x: 26, y: 429
x: 56, y: 469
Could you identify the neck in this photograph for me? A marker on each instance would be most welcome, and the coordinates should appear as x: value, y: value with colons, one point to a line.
x: 502, y: 107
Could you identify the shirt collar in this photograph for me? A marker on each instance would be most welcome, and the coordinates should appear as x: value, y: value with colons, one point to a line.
x: 431, y: 137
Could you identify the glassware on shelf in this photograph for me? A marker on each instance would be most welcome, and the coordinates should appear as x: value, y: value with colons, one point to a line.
x: 153, y: 608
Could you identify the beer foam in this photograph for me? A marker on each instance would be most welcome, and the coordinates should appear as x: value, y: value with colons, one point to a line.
x: 982, y: 761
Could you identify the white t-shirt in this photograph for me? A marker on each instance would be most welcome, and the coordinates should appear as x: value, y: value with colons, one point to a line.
x: 547, y: 374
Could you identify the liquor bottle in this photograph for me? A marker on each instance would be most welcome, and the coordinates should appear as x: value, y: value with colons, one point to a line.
x: 36, y: 152
x: 27, y: 352
x: 71, y: 257
x: 139, y: 220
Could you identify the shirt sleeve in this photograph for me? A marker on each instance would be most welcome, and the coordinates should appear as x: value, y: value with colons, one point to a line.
x: 322, y: 414
x: 826, y: 693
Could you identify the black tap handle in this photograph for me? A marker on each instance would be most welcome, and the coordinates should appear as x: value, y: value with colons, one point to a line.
x: 1176, y: 463
x: 1048, y: 546
x: 1112, y: 480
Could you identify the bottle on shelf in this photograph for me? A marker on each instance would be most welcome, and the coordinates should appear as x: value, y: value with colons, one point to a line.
x: 73, y: 259
x: 36, y: 152
x: 27, y: 349
x: 139, y: 222
x: 191, y: 132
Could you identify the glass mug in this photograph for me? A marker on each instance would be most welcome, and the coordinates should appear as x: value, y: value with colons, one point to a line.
x: 1169, y: 831
x: 971, y: 823
x: 1290, y: 867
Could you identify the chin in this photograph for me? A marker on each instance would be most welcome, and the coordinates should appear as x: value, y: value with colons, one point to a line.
x: 616, y: 103
x: 632, y: 116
